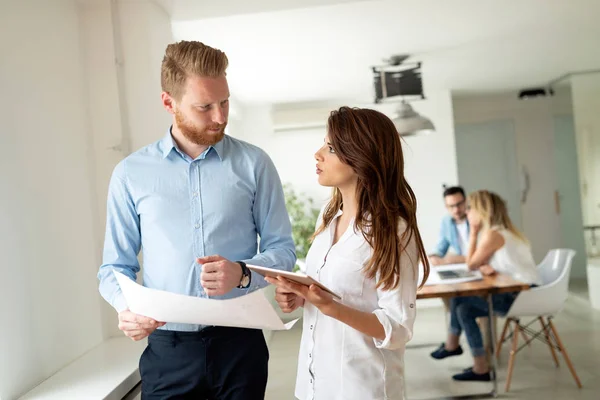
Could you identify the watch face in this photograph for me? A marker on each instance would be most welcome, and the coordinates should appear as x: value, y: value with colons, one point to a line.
x: 245, y: 280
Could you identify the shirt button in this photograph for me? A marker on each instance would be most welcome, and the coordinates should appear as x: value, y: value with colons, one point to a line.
x: 195, y: 194
x: 311, y: 327
x: 197, y: 226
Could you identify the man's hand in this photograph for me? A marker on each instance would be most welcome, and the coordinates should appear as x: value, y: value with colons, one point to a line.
x: 137, y: 327
x: 288, y: 301
x: 219, y: 275
x: 435, y: 260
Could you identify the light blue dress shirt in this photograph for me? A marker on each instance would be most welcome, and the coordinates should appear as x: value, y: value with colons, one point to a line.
x: 175, y: 209
x: 449, y: 237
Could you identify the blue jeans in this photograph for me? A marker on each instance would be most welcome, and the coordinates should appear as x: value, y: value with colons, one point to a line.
x: 464, y: 311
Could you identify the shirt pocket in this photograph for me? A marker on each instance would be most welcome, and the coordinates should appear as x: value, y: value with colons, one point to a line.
x: 348, y: 277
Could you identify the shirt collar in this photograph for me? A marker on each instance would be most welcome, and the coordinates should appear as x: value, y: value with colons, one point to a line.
x: 337, y: 215
x: 219, y: 148
x: 167, y: 144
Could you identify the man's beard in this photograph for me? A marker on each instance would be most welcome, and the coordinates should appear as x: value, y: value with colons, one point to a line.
x: 196, y: 136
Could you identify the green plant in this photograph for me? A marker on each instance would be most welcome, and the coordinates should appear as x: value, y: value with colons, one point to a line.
x: 303, y: 217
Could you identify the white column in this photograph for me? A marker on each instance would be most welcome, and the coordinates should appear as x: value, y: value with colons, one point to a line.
x: 586, y: 110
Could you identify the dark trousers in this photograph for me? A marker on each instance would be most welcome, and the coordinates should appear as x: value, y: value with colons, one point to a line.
x: 217, y: 363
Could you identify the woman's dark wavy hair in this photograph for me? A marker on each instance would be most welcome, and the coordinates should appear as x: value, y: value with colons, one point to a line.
x: 368, y: 141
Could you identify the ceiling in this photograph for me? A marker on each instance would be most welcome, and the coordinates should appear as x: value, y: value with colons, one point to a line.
x: 291, y: 51
x: 189, y: 10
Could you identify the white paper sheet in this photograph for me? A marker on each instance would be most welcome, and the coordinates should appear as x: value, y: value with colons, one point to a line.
x: 250, y: 311
x: 460, y: 270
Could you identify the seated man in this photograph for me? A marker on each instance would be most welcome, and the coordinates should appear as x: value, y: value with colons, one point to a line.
x: 454, y: 231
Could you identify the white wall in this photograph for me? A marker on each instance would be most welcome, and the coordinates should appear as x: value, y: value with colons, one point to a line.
x: 534, y: 132
x: 292, y: 152
x: 49, y: 308
x: 69, y: 114
x: 430, y: 160
x: 123, y: 46
x: 105, y: 116
x: 145, y: 32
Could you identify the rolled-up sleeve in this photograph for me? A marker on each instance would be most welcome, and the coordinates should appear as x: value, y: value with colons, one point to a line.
x: 397, y: 307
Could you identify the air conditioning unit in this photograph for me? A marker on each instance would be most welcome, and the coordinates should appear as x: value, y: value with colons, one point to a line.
x: 300, y: 118
x: 407, y: 120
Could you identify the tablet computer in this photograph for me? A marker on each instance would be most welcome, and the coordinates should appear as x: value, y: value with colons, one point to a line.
x: 297, y: 277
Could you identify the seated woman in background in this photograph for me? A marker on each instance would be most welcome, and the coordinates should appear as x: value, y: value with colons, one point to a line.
x: 495, y: 245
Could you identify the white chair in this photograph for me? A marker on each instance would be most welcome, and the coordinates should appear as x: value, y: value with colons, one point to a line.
x: 541, y: 303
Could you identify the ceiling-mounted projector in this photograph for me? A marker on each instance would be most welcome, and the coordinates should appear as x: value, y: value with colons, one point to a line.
x: 400, y: 79
x: 397, y: 79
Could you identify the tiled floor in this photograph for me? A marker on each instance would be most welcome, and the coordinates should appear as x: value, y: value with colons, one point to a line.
x: 535, y: 376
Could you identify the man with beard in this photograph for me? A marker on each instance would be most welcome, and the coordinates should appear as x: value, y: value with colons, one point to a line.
x: 194, y: 203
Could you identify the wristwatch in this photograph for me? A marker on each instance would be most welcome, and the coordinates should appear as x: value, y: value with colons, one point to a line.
x: 246, y: 276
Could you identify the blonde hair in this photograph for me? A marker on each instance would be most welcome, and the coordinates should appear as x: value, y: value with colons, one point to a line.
x: 186, y: 58
x: 493, y: 211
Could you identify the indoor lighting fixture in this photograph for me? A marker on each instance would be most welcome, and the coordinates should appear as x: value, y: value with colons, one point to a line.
x: 409, y: 122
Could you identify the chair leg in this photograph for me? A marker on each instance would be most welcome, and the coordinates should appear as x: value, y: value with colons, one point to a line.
x: 564, y: 353
x: 513, y: 354
x: 502, y: 337
x: 494, y: 328
x: 550, y: 344
x: 525, y: 338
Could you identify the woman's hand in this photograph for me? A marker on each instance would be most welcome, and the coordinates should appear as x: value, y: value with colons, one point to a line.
x: 364, y: 322
x: 313, y: 294
x: 288, y: 301
x: 487, y: 270
x: 474, y: 224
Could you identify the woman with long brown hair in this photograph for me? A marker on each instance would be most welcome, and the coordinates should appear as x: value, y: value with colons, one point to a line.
x: 367, y: 249
x: 495, y: 245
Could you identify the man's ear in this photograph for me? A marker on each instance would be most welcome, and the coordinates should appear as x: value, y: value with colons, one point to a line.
x: 168, y: 102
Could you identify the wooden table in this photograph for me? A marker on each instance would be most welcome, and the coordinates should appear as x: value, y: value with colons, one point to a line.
x: 488, y: 286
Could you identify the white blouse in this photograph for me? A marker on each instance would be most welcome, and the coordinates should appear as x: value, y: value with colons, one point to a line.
x: 337, y: 361
x: 515, y: 258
